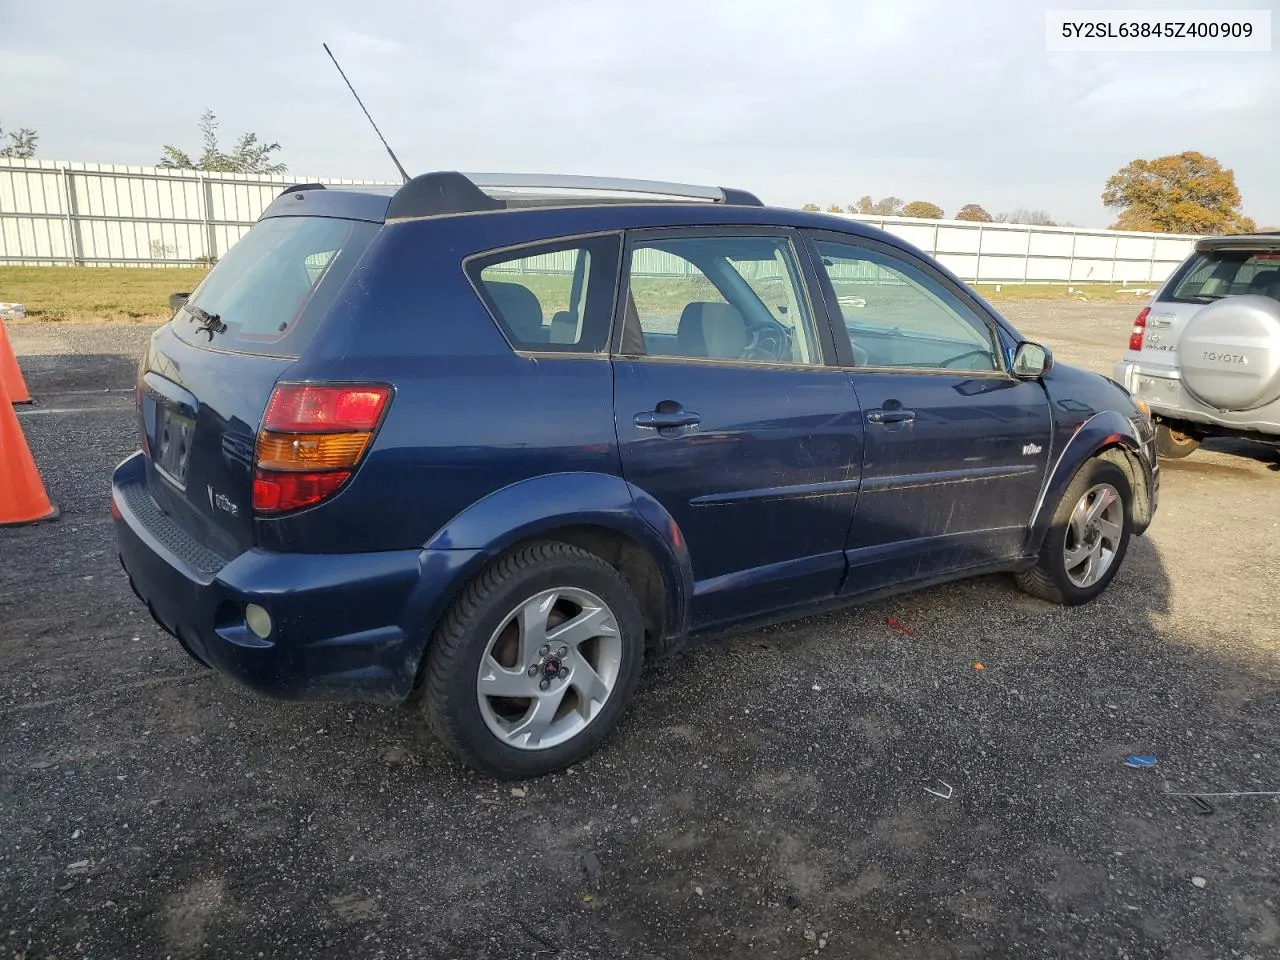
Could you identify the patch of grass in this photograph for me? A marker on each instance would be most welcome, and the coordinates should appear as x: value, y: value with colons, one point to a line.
x: 141, y: 295
x: 96, y: 294
x: 1058, y: 291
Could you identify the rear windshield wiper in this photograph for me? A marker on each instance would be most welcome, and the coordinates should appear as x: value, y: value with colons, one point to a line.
x: 209, y: 323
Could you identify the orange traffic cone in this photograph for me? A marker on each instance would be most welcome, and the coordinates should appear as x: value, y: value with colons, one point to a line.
x: 22, y: 496
x: 11, y: 381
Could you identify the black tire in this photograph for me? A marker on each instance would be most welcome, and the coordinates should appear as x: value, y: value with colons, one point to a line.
x: 1048, y: 579
x: 1174, y: 445
x: 450, y: 702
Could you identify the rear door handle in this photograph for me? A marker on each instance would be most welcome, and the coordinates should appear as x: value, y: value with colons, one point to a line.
x: 891, y: 416
x: 661, y: 420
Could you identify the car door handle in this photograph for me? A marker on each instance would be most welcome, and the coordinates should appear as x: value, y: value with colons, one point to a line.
x: 661, y: 419
x: 891, y: 416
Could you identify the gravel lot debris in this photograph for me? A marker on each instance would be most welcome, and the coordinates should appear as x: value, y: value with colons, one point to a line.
x: 151, y: 808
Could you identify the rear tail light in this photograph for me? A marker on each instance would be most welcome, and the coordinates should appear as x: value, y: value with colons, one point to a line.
x: 313, y: 437
x: 1139, y: 328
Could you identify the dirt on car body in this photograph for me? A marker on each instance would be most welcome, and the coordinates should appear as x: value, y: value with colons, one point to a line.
x: 766, y: 796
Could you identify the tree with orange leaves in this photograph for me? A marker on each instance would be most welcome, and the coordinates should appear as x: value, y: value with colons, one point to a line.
x: 1182, y: 193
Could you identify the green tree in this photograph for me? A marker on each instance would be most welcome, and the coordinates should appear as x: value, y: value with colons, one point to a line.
x: 835, y: 208
x: 1186, y: 192
x: 973, y: 212
x: 21, y: 144
x: 247, y: 156
x: 922, y: 209
x: 811, y: 207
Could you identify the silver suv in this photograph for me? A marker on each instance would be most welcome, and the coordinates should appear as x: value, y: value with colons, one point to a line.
x: 1205, y: 355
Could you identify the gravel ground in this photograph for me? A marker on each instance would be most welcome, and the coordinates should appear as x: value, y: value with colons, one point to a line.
x: 765, y: 797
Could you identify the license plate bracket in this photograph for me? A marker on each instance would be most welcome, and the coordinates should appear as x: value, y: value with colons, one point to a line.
x: 174, y: 433
x: 1148, y: 386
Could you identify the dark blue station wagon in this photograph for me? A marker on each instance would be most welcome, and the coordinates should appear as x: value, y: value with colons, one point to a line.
x: 484, y: 444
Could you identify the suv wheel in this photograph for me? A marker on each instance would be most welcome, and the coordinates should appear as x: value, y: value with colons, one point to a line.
x: 1173, y: 444
x: 534, y: 662
x: 1087, y: 540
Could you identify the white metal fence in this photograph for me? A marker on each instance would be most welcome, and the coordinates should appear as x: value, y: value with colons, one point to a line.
x: 52, y: 212
x: 1017, y: 253
x: 101, y: 214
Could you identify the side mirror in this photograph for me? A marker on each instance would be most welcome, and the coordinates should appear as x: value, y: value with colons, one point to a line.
x: 177, y: 301
x: 1031, y: 361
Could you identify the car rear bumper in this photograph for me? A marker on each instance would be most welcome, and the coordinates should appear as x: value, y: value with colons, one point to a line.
x: 344, y: 626
x: 1165, y: 394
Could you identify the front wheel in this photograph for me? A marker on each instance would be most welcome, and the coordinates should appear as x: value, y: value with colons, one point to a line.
x: 1173, y: 444
x: 535, y: 661
x: 1087, y: 540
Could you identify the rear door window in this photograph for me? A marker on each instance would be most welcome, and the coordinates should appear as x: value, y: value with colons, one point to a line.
x: 736, y: 298
x: 272, y: 289
x: 1214, y: 274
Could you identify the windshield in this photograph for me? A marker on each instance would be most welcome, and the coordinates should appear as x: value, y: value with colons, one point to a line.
x: 270, y: 291
x: 1214, y: 274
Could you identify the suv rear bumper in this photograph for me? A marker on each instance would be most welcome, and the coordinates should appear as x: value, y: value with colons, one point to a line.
x: 344, y: 626
x: 1164, y: 393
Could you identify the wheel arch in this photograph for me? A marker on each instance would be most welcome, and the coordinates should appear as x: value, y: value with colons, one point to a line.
x: 1111, y: 436
x: 600, y: 513
x: 1129, y: 460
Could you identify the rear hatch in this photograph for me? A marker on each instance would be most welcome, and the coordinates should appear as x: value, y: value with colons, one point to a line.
x: 210, y: 371
x: 1221, y: 267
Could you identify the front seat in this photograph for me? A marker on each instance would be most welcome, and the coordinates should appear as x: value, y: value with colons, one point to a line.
x: 713, y: 330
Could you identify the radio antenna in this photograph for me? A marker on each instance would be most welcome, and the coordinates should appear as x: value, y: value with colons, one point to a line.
x: 390, y: 152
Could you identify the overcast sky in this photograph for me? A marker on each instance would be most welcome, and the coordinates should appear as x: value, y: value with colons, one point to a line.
x: 951, y: 101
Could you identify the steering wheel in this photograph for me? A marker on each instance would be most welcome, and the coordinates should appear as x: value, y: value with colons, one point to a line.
x: 984, y: 354
x: 767, y: 342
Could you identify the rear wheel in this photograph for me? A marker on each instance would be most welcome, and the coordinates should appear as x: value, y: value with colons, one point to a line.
x: 1173, y: 444
x: 535, y: 662
x: 1087, y: 540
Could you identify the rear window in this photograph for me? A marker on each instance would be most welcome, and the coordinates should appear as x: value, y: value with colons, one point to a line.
x: 272, y: 289
x: 1214, y: 274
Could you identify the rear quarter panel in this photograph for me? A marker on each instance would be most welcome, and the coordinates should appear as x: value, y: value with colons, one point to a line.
x: 468, y: 416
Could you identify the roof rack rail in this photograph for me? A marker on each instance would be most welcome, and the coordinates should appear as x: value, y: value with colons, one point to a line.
x: 302, y: 186
x: 569, y: 181
x: 432, y: 194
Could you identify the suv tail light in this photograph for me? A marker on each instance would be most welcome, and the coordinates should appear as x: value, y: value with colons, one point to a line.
x: 312, y: 438
x: 1139, y: 328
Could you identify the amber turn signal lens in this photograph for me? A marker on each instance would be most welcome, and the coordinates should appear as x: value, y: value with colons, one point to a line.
x: 310, y: 451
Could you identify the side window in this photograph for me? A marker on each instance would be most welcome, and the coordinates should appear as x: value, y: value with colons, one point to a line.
x: 735, y: 298
x: 897, y: 315
x: 551, y: 298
